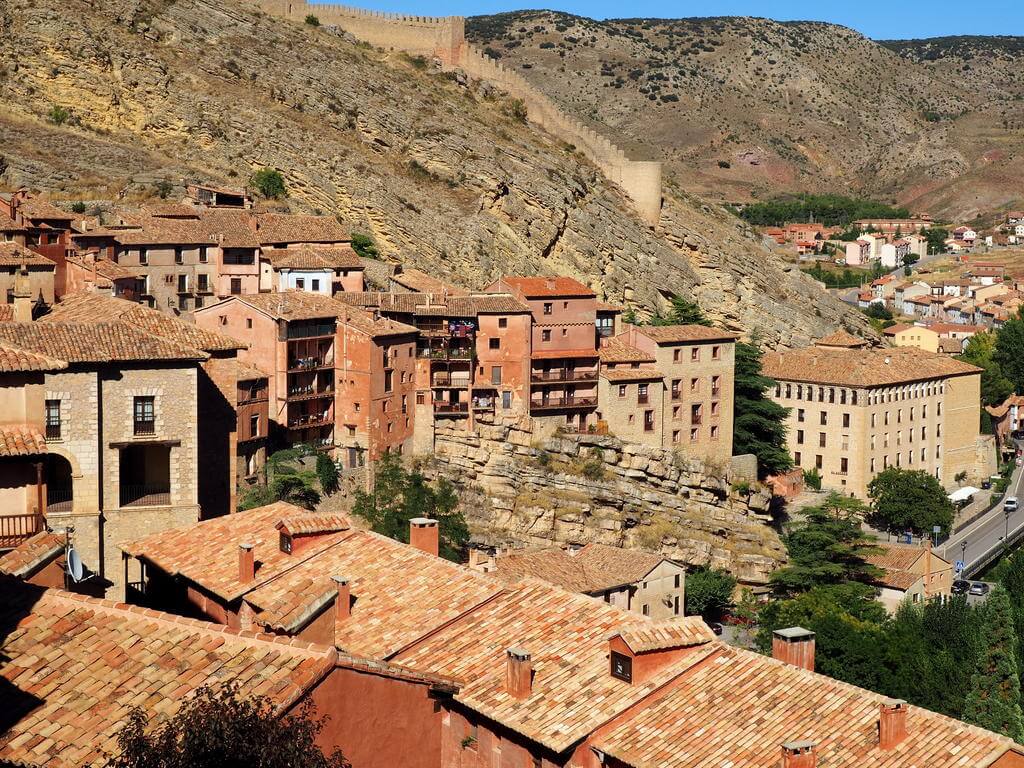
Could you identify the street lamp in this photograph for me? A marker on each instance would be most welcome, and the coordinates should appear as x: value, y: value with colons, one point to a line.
x: 963, y: 552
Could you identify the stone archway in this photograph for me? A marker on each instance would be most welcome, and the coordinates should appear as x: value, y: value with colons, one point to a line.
x: 59, y: 476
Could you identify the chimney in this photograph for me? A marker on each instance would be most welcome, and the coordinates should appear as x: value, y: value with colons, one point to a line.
x: 22, y: 295
x: 343, y: 605
x: 246, y: 562
x: 518, y: 673
x: 423, y: 534
x: 795, y: 646
x: 892, y: 723
x: 799, y: 754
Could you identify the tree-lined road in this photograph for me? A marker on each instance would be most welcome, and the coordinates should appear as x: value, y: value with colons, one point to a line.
x: 985, y: 537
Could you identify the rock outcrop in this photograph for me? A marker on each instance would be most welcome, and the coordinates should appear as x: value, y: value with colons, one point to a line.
x: 583, y: 488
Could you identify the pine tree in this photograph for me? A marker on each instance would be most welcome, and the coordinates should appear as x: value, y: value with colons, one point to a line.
x: 993, y: 701
x: 759, y: 422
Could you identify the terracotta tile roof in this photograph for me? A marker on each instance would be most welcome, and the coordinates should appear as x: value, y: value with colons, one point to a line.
x: 6, y: 313
x: 738, y: 708
x: 158, y: 230
x: 274, y: 228
x: 680, y: 632
x: 87, y: 306
x: 21, y: 440
x: 86, y: 663
x: 105, y: 268
x: 399, y: 594
x: 289, y: 305
x: 862, y: 367
x: 619, y: 351
x: 555, y: 354
x: 14, y: 255
x: 537, y: 287
x: 896, y: 561
x: 421, y: 282
x: 679, y: 334
x: 207, y: 552
x: 643, y: 373
x: 14, y: 358
x: 951, y: 346
x: 313, y: 257
x: 230, y: 227
x: 171, y: 210
x: 247, y: 372
x: 37, y: 208
x: 567, y: 636
x: 31, y: 554
x: 892, y: 330
x: 842, y: 339
x: 311, y: 523
x: 7, y: 224
x: 594, y: 568
x: 375, y: 327
x: 97, y: 342
x: 603, y: 306
x: 430, y: 304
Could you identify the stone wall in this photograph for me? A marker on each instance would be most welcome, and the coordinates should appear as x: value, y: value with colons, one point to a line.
x: 583, y: 488
x: 444, y: 38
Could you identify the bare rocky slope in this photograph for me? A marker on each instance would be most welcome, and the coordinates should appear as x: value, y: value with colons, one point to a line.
x: 441, y: 171
x: 741, y: 107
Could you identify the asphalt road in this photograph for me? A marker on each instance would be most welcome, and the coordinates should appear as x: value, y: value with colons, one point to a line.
x: 988, y: 533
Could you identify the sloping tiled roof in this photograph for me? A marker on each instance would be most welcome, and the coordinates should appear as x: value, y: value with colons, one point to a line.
x: 86, y: 663
x: 230, y: 227
x: 555, y: 354
x: 99, y: 342
x: 291, y: 305
x: 619, y: 351
x: 310, y: 523
x: 643, y: 373
x: 681, y: 334
x: 420, y: 282
x: 299, y: 228
x: 38, y: 208
x: 680, y: 632
x: 842, y: 339
x: 7, y: 224
x: 105, y: 268
x: 14, y: 255
x: 248, y: 372
x: 432, y: 304
x: 15, y: 359
x: 895, y: 562
x: 862, y: 367
x: 375, y: 327
x: 35, y: 551
x: 158, y: 230
x: 21, y: 440
x: 313, y: 257
x: 531, y: 287
x: 593, y: 568
x: 87, y: 306
x: 738, y: 708
x: 567, y: 637
x: 6, y: 313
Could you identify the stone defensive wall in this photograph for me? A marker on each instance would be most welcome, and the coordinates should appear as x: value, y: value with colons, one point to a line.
x: 445, y: 38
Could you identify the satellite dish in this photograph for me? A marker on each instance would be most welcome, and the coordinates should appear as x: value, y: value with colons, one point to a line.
x: 74, y: 566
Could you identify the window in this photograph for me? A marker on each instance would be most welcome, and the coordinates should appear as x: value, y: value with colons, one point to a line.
x: 796, y: 458
x: 676, y: 355
x: 646, y: 609
x: 675, y: 605
x: 716, y: 353
x: 545, y: 335
x: 675, y: 435
x: 300, y: 283
x: 823, y: 419
x: 714, y: 407
x: 145, y: 419
x: 648, y: 421
x: 203, y: 281
x: 182, y: 283
x: 182, y: 302
x: 495, y: 374
x: 179, y: 257
x: 143, y: 256
x: 799, y: 437
x: 236, y: 286
x: 696, y: 413
x: 641, y: 393
x: 677, y: 412
x: 822, y: 439
x: 494, y: 343
x: 503, y: 322
x: 800, y: 415
x: 254, y: 425
x: 203, y: 255
x: 388, y: 380
x: 53, y: 419
x: 846, y: 421
x: 695, y: 354
x: 675, y: 388
x: 714, y: 431
x: 817, y: 461
x: 621, y: 664
x: 694, y: 434
x: 694, y: 385
x: 844, y: 465
x: 248, y: 322
x: 506, y: 400
x: 547, y: 307
x: 565, y: 332
x: 716, y: 386
x: 314, y: 284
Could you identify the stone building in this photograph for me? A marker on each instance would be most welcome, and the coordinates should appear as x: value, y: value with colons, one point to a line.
x: 631, y: 394
x: 853, y: 411
x: 910, y: 574
x: 27, y: 276
x: 253, y: 423
x: 694, y: 412
x: 326, y: 270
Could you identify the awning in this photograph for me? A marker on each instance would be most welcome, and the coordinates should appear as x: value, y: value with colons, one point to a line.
x: 962, y: 494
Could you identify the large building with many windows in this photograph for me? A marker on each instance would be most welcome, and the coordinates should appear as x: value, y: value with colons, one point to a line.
x: 854, y: 410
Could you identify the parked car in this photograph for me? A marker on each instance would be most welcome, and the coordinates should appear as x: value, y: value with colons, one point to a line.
x: 960, y: 587
x: 979, y: 588
x: 1010, y: 505
x: 715, y: 627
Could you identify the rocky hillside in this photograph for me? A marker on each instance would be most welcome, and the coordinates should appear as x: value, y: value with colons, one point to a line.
x: 108, y: 98
x: 742, y: 108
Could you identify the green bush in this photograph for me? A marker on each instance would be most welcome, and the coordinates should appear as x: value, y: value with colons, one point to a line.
x: 312, y: 20
x: 364, y: 246
x: 327, y: 473
x: 58, y: 115
x: 78, y: 207
x: 269, y: 182
x: 812, y: 479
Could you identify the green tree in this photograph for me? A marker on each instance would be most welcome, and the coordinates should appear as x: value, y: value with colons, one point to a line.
x: 708, y: 591
x: 877, y: 311
x: 908, y: 500
x: 981, y: 351
x: 327, y: 473
x: 993, y: 701
x: 313, y: 21
x: 1012, y: 580
x: 682, y: 312
x: 294, y: 490
x: 269, y: 182
x: 399, y: 495
x: 1009, y: 351
x: 364, y: 246
x: 936, y: 237
x: 219, y: 728
x: 812, y: 478
x: 758, y: 422
x: 58, y: 115
x: 825, y: 548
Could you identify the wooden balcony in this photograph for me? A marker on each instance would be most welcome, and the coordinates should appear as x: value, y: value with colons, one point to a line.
x: 560, y: 403
x: 15, y: 529
x: 445, y: 408
x: 563, y: 375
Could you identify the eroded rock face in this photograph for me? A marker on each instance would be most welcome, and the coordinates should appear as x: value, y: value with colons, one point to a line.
x: 587, y: 488
x: 437, y: 167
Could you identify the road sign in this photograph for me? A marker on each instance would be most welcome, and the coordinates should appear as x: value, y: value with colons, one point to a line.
x: 959, y: 566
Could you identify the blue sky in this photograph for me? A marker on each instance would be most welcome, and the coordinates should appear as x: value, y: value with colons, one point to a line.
x: 875, y: 18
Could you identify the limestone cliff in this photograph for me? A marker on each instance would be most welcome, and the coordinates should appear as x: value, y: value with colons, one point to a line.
x: 582, y: 488
x: 440, y: 169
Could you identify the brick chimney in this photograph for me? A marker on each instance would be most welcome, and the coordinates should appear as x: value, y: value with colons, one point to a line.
x: 22, y: 295
x: 799, y: 754
x: 343, y: 605
x: 795, y: 646
x: 423, y: 534
x: 246, y: 562
x: 518, y: 673
x: 892, y: 723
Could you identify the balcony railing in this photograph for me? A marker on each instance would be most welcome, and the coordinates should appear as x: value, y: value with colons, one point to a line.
x: 442, y: 353
x: 58, y: 499
x: 145, y: 427
x: 145, y: 495
x: 309, y: 331
x: 14, y: 529
x: 565, y: 374
x: 309, y: 393
x: 53, y: 431
x: 309, y: 420
x: 309, y: 363
x: 443, y: 407
x: 446, y: 380
x: 553, y: 403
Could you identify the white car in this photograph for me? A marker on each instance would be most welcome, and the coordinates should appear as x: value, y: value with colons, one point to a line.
x: 1010, y: 505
